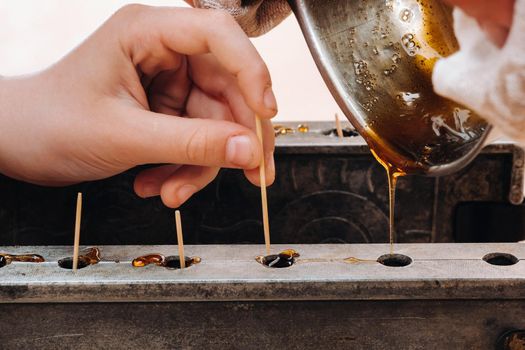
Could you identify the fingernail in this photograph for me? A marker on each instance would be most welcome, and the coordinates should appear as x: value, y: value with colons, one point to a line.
x: 185, y: 192
x: 269, y: 99
x: 239, y: 150
x: 149, y: 190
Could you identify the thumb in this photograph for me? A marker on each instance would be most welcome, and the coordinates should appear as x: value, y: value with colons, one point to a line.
x: 152, y: 138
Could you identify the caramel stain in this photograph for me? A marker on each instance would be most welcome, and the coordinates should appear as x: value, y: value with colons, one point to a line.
x: 284, y: 259
x: 89, y: 256
x: 170, y: 262
x: 6, y: 259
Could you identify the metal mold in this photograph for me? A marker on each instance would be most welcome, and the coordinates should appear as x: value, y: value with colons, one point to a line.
x: 308, y: 325
x: 228, y: 272
x: 448, y: 298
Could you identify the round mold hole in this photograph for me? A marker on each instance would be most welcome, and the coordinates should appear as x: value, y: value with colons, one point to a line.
x: 67, y: 263
x: 501, y: 259
x: 276, y: 261
x: 394, y: 260
x: 173, y: 262
x: 3, y: 261
x: 347, y: 132
x: 511, y: 339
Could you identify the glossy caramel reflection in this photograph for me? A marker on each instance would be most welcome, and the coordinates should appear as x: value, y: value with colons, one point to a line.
x: 170, y: 262
x: 86, y: 257
x: 30, y: 258
x: 284, y: 259
x: 403, y: 120
x: 149, y: 259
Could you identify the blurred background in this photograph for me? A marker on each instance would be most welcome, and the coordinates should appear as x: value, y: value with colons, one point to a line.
x: 35, y: 34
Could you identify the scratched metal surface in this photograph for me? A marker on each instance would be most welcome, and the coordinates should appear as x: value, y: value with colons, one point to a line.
x: 229, y: 272
x: 327, y: 191
x: 367, y: 325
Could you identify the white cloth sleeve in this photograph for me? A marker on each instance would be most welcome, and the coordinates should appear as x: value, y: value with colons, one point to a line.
x: 485, y: 78
x: 256, y: 17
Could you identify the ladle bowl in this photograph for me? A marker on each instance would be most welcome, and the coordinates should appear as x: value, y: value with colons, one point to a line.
x: 377, y: 57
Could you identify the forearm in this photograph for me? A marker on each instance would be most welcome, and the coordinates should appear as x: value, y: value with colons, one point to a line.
x: 26, y: 137
x: 9, y: 105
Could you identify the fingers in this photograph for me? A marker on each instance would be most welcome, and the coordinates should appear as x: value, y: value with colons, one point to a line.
x: 201, y: 105
x: 496, y: 33
x: 175, y: 184
x: 489, y: 10
x: 499, y: 12
x: 215, y: 80
x: 157, y: 32
x: 269, y: 145
x: 145, y: 137
x: 148, y: 182
x: 242, y: 114
x: 169, y: 90
x: 184, y: 183
x: 494, y: 17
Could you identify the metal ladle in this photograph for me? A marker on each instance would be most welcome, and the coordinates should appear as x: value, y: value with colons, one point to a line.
x: 377, y: 56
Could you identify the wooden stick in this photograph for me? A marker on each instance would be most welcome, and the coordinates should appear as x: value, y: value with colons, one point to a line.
x: 338, y: 126
x: 180, y: 241
x: 77, y: 231
x: 264, y: 198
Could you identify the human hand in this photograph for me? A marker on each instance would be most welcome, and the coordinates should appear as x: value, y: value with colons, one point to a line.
x: 170, y: 86
x: 495, y: 17
x: 486, y: 79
